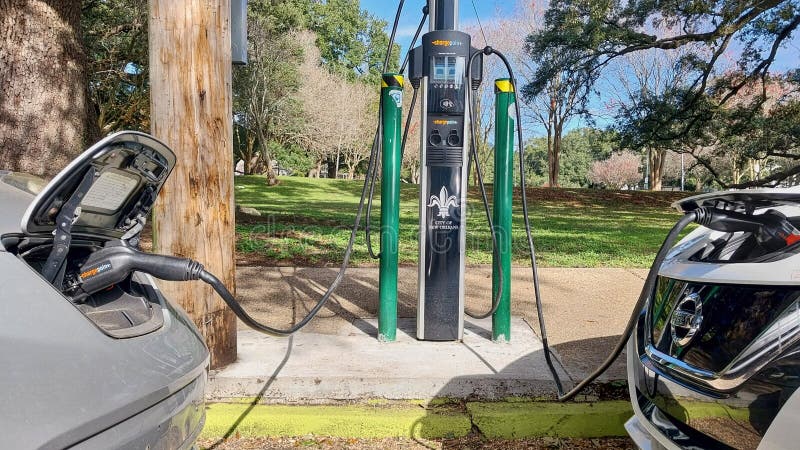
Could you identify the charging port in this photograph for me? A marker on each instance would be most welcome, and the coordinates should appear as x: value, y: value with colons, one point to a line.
x: 435, y: 138
x: 453, y: 139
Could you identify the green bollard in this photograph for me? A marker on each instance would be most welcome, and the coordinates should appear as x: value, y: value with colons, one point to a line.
x: 505, y: 119
x: 392, y: 111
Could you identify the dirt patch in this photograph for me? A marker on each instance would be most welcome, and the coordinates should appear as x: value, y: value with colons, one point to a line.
x: 249, y: 219
x: 602, y: 197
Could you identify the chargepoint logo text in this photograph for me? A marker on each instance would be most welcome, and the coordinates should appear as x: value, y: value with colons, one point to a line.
x: 443, y: 202
x: 95, y: 271
x: 446, y: 43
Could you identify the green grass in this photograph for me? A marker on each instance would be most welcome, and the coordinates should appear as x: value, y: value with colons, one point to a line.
x: 307, y: 222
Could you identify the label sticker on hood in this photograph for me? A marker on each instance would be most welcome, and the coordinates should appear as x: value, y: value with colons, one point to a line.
x: 109, y: 191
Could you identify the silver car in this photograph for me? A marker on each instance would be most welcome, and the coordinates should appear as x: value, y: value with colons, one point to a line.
x: 122, y: 368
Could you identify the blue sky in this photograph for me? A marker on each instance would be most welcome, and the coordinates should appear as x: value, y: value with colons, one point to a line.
x: 412, y: 13
x: 787, y: 58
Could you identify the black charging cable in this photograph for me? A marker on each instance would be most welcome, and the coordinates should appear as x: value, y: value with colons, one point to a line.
x: 373, y: 177
x: 478, y: 173
x: 230, y: 300
x: 112, y: 264
x: 647, y: 289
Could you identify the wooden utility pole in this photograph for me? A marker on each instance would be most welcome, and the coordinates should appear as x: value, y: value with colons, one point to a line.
x: 190, y: 79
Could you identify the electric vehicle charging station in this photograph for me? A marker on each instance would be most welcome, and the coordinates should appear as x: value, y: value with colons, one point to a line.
x: 762, y: 244
x: 439, y: 68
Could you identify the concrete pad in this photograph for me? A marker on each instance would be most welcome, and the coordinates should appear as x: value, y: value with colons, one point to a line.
x: 349, y: 363
x: 585, y: 308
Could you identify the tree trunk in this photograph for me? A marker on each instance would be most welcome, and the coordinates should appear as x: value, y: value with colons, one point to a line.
x: 250, y: 160
x: 657, y: 159
x: 272, y: 178
x: 331, y: 167
x: 554, y: 157
x: 45, y: 118
x: 736, y: 172
x: 190, y: 77
x: 314, y: 173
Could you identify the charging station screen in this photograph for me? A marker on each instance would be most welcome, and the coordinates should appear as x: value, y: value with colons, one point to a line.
x: 448, y: 69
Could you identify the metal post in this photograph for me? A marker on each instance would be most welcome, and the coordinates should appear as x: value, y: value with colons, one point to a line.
x: 683, y: 173
x: 505, y: 123
x: 391, y: 110
x: 443, y: 14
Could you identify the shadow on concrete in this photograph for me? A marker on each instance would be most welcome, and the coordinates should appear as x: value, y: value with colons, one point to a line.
x: 356, y: 300
x: 583, y: 356
x: 577, y: 304
x: 460, y: 409
x: 300, y: 286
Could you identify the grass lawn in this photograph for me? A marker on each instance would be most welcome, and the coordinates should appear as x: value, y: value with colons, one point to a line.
x: 307, y: 222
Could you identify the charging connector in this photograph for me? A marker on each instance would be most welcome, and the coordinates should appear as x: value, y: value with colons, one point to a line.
x: 113, y: 264
x: 772, y: 230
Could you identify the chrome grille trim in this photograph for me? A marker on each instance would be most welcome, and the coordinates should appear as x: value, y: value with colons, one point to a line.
x: 780, y: 335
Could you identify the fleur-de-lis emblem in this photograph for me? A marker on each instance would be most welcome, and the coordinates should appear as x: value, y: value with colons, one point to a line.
x: 443, y: 202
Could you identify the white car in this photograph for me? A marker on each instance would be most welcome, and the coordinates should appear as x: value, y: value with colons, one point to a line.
x: 714, y: 362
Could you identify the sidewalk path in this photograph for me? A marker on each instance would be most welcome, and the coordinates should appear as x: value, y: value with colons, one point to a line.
x: 585, y: 309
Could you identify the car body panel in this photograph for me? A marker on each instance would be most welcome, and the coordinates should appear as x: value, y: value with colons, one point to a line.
x: 784, y: 431
x: 14, y: 202
x: 760, y: 198
x: 64, y: 380
x: 172, y: 424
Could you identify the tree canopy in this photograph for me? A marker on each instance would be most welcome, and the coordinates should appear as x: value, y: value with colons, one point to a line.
x: 270, y: 114
x: 351, y: 41
x: 115, y: 39
x: 584, y: 37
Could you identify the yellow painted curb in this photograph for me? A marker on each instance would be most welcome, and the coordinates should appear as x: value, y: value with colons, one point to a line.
x: 362, y: 421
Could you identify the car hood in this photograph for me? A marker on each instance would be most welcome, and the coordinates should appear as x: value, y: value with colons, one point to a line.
x: 15, y: 196
x: 737, y: 199
x: 116, y: 180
